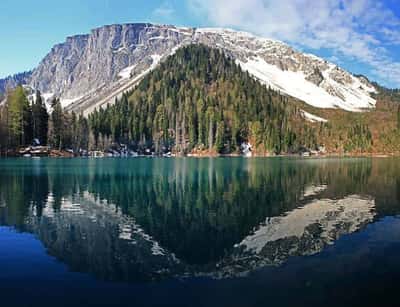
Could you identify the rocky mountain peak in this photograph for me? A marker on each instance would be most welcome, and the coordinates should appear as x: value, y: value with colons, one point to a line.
x: 90, y: 70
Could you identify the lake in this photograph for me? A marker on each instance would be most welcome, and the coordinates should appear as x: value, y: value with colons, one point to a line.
x: 199, y: 232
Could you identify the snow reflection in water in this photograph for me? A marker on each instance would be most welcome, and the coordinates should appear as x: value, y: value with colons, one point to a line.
x: 303, y: 231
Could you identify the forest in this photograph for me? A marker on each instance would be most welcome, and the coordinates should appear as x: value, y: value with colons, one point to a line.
x: 200, y: 100
x: 24, y: 123
x: 197, y: 101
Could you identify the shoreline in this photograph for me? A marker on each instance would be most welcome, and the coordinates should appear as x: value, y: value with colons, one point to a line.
x: 333, y: 155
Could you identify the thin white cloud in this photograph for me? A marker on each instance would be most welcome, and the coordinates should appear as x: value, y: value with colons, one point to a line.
x: 361, y: 30
x: 165, y: 11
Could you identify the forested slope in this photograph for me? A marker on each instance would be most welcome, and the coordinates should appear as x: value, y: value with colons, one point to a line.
x: 200, y: 100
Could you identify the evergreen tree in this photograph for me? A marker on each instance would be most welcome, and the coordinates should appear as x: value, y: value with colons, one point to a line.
x: 40, y: 119
x: 19, y: 118
x: 220, y: 137
x: 398, y: 117
x: 57, y: 125
x: 3, y: 130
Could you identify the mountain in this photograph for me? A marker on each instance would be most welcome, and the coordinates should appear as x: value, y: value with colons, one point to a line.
x: 91, y: 70
x: 200, y: 101
x: 14, y: 80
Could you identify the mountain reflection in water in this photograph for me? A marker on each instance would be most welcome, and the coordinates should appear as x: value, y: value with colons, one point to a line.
x: 301, y: 232
x: 149, y: 219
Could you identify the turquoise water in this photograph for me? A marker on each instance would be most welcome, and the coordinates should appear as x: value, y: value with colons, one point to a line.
x: 199, y: 232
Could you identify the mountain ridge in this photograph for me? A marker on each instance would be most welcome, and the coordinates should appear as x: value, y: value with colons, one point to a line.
x: 90, y: 70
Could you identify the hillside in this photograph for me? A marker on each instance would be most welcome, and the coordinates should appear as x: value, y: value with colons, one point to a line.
x: 91, y: 70
x: 248, y: 112
x: 200, y: 100
x: 376, y: 131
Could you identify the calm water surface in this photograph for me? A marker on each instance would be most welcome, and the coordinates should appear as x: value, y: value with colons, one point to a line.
x: 199, y: 232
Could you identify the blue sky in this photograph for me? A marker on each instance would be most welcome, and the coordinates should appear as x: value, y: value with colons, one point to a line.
x: 362, y: 36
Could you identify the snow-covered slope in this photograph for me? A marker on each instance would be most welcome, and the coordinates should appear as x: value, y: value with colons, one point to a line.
x: 88, y: 71
x: 351, y: 97
x: 303, y: 76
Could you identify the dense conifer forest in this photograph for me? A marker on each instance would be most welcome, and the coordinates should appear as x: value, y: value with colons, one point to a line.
x: 199, y: 101
x: 23, y: 123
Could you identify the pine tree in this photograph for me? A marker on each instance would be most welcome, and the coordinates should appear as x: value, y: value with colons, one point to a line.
x: 57, y: 124
x: 3, y: 130
x: 398, y: 117
x: 220, y: 137
x: 40, y: 119
x: 19, y: 117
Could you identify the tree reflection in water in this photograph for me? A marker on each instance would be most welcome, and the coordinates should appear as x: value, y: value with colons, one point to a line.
x: 146, y: 219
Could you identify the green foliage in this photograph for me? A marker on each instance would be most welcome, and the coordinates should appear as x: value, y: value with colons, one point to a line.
x: 398, y: 117
x: 67, y: 130
x: 384, y: 93
x: 57, y: 134
x: 197, y: 99
x: 220, y: 137
x: 40, y: 119
x: 359, y: 138
x: 19, y: 118
x: 3, y: 129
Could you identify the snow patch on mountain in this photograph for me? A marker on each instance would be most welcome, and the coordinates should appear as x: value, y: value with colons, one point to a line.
x: 127, y: 84
x: 156, y: 60
x: 313, y: 118
x: 107, y: 60
x: 47, y: 99
x: 126, y: 72
x: 296, y: 85
x: 301, y: 75
x: 67, y: 102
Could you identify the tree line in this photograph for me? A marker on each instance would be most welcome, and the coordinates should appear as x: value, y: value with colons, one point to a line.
x: 23, y: 123
x: 200, y: 99
x: 197, y: 100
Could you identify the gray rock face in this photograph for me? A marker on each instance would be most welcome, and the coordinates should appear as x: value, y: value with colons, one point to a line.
x: 13, y: 81
x: 315, y: 77
x: 88, y: 71
x: 85, y: 63
x: 59, y: 71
